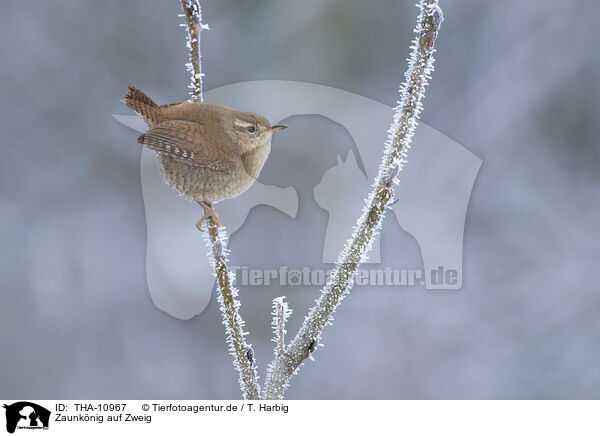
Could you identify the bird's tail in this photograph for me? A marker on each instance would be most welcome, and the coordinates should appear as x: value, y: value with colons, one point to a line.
x: 143, y: 105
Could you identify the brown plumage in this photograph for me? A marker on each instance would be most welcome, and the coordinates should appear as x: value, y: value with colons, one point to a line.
x: 206, y: 151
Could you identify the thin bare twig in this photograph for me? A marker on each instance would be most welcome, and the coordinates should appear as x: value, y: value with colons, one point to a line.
x: 285, y: 365
x: 288, y: 359
x: 193, y: 21
x: 281, y: 312
x: 242, y: 352
x: 216, y: 238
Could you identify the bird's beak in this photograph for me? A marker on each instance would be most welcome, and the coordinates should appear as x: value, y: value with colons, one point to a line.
x: 281, y: 127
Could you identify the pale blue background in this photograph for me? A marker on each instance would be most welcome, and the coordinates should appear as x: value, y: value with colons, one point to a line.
x: 515, y: 82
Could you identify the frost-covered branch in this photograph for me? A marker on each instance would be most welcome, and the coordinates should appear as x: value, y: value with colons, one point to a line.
x: 289, y: 358
x: 216, y: 237
x: 243, y: 355
x: 281, y: 313
x: 193, y: 22
x: 285, y: 365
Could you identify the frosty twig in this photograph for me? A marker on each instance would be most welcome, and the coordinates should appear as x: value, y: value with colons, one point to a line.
x: 289, y: 358
x: 280, y: 313
x: 216, y: 238
x: 193, y: 22
x: 243, y: 355
x: 400, y: 135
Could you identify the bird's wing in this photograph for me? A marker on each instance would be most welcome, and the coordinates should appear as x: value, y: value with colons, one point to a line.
x: 187, y: 142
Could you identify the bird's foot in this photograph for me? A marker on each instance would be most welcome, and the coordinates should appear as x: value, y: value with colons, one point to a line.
x: 209, y: 212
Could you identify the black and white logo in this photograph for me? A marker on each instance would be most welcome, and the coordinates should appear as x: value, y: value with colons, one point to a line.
x: 26, y: 415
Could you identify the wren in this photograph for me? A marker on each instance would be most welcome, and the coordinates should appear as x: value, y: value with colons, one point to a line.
x: 207, y: 152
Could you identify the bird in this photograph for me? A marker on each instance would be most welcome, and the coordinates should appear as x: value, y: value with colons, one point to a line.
x: 207, y: 152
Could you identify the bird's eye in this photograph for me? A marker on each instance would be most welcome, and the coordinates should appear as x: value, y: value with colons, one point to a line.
x: 251, y: 129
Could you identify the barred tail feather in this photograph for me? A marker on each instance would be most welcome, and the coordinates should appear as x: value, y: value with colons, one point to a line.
x: 143, y: 105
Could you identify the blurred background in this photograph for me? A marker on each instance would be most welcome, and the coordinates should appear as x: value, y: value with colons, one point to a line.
x: 517, y: 83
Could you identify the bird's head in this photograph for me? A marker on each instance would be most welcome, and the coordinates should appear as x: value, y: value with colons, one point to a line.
x: 253, y: 130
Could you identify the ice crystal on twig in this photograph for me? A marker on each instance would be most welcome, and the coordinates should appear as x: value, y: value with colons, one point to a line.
x: 281, y: 313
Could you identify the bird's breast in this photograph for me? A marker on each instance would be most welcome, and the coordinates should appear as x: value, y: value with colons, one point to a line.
x: 254, y: 160
x: 205, y: 184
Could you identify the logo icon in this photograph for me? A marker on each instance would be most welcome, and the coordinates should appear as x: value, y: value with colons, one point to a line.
x: 26, y: 415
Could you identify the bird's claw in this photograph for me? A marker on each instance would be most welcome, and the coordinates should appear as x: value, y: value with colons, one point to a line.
x: 209, y: 212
